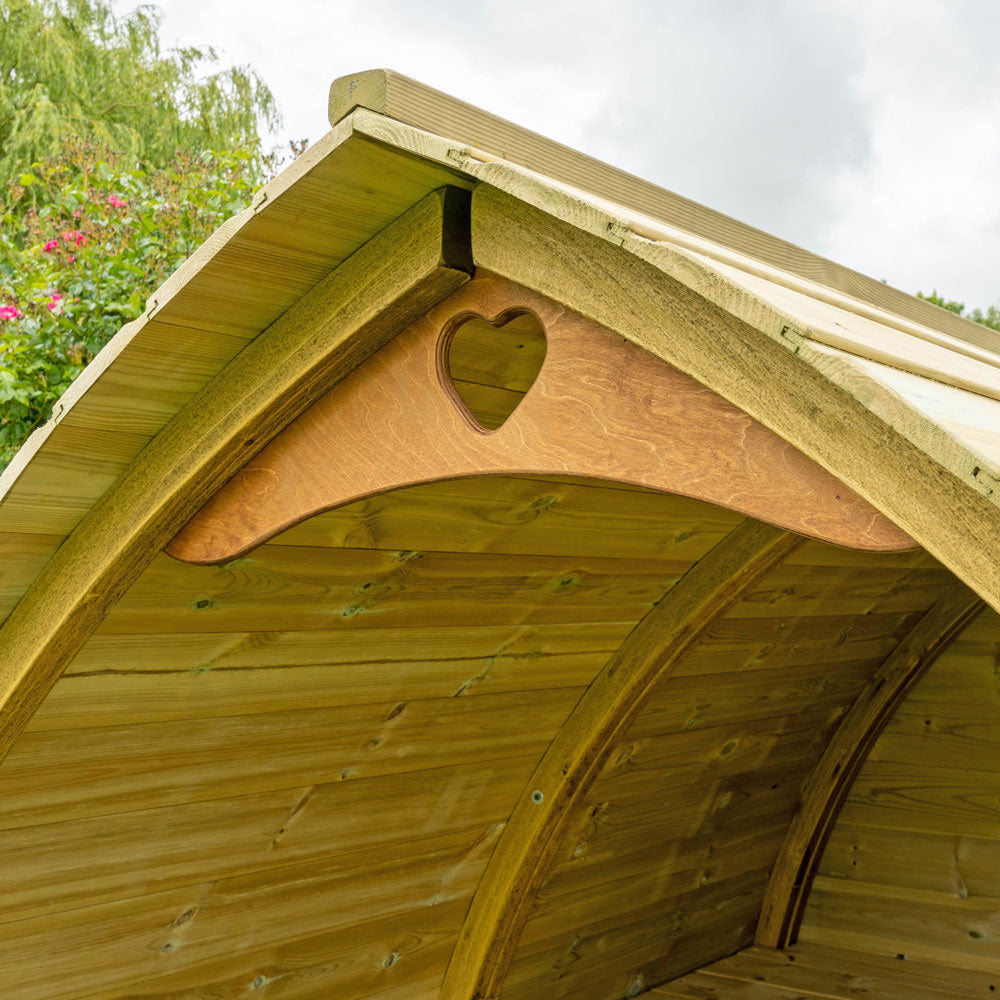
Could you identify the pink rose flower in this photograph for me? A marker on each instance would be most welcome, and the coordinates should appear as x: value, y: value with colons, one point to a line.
x: 52, y: 306
x: 115, y: 202
x: 71, y: 258
x: 9, y: 312
x: 50, y: 245
x: 77, y: 213
x: 56, y: 296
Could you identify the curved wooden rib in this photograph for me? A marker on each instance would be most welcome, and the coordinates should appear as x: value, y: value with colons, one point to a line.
x: 600, y: 407
x: 747, y: 351
x: 831, y: 781
x: 603, y: 715
x: 395, y: 277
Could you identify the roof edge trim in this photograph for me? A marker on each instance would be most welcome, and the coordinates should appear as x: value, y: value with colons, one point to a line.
x: 396, y: 96
x: 362, y: 304
x: 861, y: 431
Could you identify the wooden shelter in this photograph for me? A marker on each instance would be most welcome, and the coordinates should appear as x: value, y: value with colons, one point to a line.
x: 483, y: 574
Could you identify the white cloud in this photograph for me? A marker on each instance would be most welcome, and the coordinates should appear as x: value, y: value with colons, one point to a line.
x: 923, y: 208
x: 864, y: 131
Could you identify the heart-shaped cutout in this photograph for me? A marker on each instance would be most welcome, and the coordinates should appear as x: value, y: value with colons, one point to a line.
x: 491, y: 365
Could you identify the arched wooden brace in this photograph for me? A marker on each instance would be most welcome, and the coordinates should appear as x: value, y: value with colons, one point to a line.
x: 596, y: 725
x: 395, y: 277
x: 601, y: 407
x: 830, y: 782
x: 744, y: 348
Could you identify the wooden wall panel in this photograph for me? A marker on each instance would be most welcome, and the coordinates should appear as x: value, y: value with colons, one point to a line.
x: 552, y: 516
x: 290, y: 770
x: 665, y: 866
x: 810, y: 970
x: 912, y: 865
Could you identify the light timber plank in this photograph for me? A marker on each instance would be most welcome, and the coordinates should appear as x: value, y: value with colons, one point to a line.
x: 521, y: 515
x: 71, y: 864
x: 809, y: 971
x: 656, y: 944
x: 934, y: 862
x: 745, y: 643
x: 24, y: 556
x: 399, y: 97
x: 121, y: 680
x: 796, y: 591
x: 929, y: 927
x: 173, y: 936
x: 911, y: 863
x: 285, y: 587
x: 59, y: 776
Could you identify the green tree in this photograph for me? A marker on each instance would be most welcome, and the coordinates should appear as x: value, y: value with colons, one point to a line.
x: 990, y: 318
x: 100, y: 240
x: 71, y: 68
x: 117, y: 160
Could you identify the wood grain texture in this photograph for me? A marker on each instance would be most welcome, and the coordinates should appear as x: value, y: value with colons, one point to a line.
x: 600, y: 407
x: 330, y: 201
x: 844, y: 756
x: 911, y: 864
x: 479, y: 964
x: 815, y: 311
x: 665, y: 861
x: 742, y: 348
x: 171, y: 757
x: 536, y: 516
x: 412, y: 265
x: 808, y: 971
x: 406, y: 100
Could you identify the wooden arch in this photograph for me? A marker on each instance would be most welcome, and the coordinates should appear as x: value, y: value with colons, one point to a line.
x: 389, y: 285
x: 407, y: 428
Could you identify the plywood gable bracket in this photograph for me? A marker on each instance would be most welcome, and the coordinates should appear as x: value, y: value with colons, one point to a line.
x: 601, y: 407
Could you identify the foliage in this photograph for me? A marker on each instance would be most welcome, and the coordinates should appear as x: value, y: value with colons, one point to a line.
x: 990, y: 318
x: 97, y: 242
x: 106, y: 184
x: 71, y: 68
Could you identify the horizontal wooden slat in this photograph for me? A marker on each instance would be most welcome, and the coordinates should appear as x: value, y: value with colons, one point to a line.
x: 125, y: 679
x: 54, y: 776
x: 289, y: 587
x: 554, y: 516
x: 66, y: 865
x: 175, y: 936
x: 911, y: 866
x: 809, y: 971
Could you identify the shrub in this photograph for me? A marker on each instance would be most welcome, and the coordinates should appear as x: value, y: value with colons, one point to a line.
x: 81, y: 260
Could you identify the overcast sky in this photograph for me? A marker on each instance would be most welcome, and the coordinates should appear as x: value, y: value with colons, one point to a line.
x: 864, y: 130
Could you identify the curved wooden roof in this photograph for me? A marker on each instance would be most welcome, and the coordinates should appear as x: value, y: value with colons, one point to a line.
x: 569, y: 708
